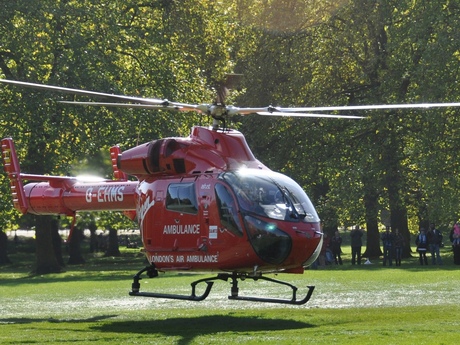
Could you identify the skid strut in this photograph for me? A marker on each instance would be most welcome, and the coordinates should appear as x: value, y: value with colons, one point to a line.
x: 293, y: 300
x: 152, y: 272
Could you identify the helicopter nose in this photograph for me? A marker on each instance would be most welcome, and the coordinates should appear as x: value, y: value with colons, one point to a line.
x: 306, y: 247
x: 312, y: 258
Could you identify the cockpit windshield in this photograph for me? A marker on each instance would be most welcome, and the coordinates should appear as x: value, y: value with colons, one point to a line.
x: 270, y: 194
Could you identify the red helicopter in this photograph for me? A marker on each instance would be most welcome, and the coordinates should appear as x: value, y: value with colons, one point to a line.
x: 203, y: 203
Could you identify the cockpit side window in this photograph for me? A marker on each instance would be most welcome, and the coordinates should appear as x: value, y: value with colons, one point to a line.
x: 181, y: 197
x: 227, y: 210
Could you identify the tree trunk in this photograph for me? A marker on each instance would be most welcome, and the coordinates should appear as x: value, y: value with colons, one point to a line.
x: 112, y: 245
x: 93, y: 241
x: 395, y: 185
x: 57, y: 242
x: 75, y: 255
x: 3, y: 249
x: 373, y: 250
x: 399, y: 221
x: 44, y: 250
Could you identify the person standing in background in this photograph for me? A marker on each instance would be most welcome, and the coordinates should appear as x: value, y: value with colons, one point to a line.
x: 336, y: 247
x: 453, y: 236
x: 398, y: 246
x: 356, y: 243
x: 387, y: 241
x: 434, y: 237
x: 422, y: 244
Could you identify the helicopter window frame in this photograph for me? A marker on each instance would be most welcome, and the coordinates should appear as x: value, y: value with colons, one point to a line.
x: 181, y: 197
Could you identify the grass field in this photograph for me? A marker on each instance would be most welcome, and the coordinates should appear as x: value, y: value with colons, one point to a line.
x: 369, y: 304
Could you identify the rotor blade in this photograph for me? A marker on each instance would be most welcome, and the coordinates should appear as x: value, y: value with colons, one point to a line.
x: 173, y: 106
x: 272, y: 111
x: 279, y: 113
x: 119, y: 105
x: 203, y: 108
x: 246, y: 111
x: 373, y: 107
x: 87, y: 93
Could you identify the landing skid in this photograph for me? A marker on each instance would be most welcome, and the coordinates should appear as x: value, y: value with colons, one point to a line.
x: 152, y: 272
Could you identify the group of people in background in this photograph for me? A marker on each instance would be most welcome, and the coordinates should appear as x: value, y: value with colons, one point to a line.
x: 331, y: 251
x: 332, y: 248
x: 393, y: 243
x: 429, y: 241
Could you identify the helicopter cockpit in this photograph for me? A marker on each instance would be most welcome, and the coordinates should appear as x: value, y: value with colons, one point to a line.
x: 263, y: 194
x: 270, y: 194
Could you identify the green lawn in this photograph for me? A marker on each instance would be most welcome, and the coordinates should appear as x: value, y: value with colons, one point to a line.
x: 370, y: 304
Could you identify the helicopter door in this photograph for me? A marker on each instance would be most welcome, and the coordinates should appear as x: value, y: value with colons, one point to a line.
x: 182, y: 228
x: 228, y: 212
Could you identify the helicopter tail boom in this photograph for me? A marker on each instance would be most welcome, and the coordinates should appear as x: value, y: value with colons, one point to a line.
x: 63, y: 195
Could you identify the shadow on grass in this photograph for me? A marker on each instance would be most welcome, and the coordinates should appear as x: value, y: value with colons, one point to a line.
x: 93, y: 276
x: 186, y: 328
x: 26, y: 320
x: 63, y: 278
x: 190, y: 328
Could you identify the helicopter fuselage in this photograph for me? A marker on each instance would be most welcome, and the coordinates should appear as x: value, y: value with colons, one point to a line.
x: 198, y: 223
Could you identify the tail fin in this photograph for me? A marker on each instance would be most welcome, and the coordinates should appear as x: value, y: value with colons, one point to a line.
x: 11, y: 167
x: 115, y: 152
